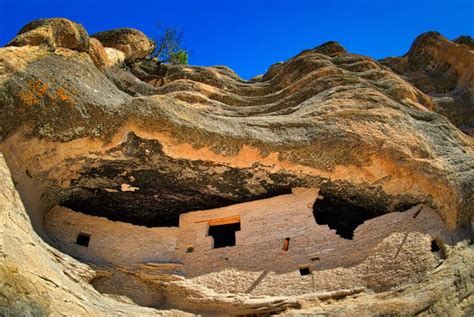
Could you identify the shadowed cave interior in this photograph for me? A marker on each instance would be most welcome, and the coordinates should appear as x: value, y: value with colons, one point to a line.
x: 341, y: 211
x: 158, y: 208
x: 343, y: 215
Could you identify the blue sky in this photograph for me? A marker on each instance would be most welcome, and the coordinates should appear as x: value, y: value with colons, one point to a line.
x: 250, y: 35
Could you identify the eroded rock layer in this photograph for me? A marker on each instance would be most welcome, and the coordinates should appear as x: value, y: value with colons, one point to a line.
x: 113, y: 134
x: 442, y: 69
x: 205, y: 138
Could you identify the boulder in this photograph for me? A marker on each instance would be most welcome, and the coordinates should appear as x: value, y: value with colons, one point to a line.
x: 98, y: 54
x: 132, y: 42
x: 115, y: 56
x: 54, y: 32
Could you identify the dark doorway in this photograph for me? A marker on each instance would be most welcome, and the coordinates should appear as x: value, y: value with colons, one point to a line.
x: 437, y: 247
x: 83, y: 239
x: 224, y: 235
x: 434, y: 246
x: 342, y: 214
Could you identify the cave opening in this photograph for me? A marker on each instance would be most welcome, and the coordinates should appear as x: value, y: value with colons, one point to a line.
x: 437, y: 246
x: 343, y: 212
x: 153, y: 207
x: 224, y: 235
x: 434, y: 246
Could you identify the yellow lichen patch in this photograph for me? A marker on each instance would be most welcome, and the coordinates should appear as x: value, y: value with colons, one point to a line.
x: 39, y: 90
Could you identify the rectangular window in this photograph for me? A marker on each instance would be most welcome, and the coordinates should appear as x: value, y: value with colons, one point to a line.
x: 305, y: 270
x: 83, y: 239
x: 223, y: 232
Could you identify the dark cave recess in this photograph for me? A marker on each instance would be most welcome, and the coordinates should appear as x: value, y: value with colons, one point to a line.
x: 345, y: 213
x: 161, y: 209
x: 163, y: 191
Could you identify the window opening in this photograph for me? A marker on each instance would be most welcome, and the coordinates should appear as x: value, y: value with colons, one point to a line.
x: 343, y: 215
x: 305, y: 270
x: 83, y: 239
x: 224, y: 235
x: 286, y: 244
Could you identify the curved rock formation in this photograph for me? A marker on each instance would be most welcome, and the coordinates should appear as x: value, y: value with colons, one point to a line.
x: 98, y: 54
x: 132, y: 42
x: 148, y: 142
x: 54, y: 33
x: 442, y: 69
x: 465, y: 40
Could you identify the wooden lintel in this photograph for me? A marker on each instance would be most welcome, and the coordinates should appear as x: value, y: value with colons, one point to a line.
x: 222, y: 221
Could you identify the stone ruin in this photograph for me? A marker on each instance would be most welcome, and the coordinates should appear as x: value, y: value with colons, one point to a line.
x: 328, y: 186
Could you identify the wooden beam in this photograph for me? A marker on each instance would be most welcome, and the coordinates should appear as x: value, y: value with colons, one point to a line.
x: 222, y: 221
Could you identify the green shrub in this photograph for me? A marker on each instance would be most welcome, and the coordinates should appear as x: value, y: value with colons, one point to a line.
x: 180, y: 57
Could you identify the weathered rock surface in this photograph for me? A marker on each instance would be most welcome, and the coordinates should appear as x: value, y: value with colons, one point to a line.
x: 37, y: 280
x: 98, y: 54
x: 132, y: 42
x: 54, y: 33
x: 465, y: 40
x: 339, y: 121
x: 442, y: 69
x: 188, y: 138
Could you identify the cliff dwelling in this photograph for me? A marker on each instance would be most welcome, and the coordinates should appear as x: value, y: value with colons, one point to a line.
x: 284, y: 245
x: 247, y: 237
x: 327, y: 186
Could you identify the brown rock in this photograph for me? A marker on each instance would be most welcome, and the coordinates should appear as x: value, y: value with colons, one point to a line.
x: 98, y: 54
x: 465, y: 40
x: 132, y: 42
x: 442, y: 69
x: 54, y: 32
x: 39, y: 280
x: 345, y: 119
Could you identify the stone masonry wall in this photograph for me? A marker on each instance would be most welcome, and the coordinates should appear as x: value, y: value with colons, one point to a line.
x: 110, y: 241
x: 265, y: 224
x: 379, y: 271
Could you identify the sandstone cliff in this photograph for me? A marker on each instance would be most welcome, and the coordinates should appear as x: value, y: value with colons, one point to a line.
x: 442, y: 69
x: 92, y: 125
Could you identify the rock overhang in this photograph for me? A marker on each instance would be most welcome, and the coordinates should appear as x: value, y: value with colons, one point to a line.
x: 143, y: 143
x: 324, y: 128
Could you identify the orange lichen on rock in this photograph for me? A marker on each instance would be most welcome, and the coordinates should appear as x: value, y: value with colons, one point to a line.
x: 28, y: 98
x: 32, y: 97
x: 63, y: 96
x: 38, y: 91
x: 39, y: 87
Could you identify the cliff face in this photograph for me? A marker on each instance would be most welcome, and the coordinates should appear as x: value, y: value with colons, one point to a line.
x: 97, y: 130
x: 442, y: 69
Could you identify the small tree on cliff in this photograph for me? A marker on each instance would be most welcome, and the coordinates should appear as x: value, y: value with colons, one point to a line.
x: 168, y: 47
